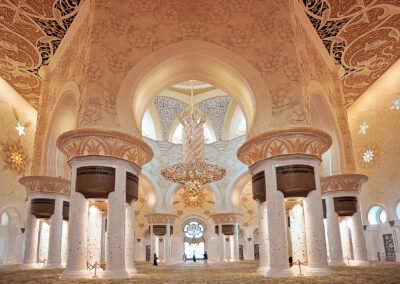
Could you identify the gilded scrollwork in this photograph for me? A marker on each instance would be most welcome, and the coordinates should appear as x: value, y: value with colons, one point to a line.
x: 344, y: 182
x: 46, y: 184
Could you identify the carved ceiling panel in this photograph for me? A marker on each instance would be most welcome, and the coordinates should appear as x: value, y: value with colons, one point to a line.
x: 361, y: 35
x: 30, y: 33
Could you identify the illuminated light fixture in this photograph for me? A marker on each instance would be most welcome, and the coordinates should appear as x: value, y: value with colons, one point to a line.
x: 20, y: 129
x: 363, y: 128
x: 368, y: 156
x: 16, y: 158
x: 194, y: 173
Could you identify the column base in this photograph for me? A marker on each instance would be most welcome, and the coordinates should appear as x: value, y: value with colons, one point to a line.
x: 53, y: 266
x: 76, y: 274
x: 279, y: 272
x: 262, y: 270
x: 337, y: 263
x: 317, y: 271
x: 360, y: 263
x: 131, y: 271
x: 29, y: 266
x: 115, y: 274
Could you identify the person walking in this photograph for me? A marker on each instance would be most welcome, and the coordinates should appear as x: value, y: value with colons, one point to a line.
x: 155, y: 260
x: 205, y: 258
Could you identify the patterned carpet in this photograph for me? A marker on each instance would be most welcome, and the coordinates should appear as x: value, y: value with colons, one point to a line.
x: 243, y: 272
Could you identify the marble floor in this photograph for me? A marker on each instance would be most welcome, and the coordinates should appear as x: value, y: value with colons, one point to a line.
x: 243, y: 272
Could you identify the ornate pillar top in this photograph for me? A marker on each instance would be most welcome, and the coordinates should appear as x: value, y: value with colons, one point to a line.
x: 161, y: 218
x: 303, y: 140
x: 342, y: 183
x: 46, y: 184
x: 92, y: 141
x: 226, y: 218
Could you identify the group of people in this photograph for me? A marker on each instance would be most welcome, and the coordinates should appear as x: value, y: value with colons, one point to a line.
x: 205, y: 258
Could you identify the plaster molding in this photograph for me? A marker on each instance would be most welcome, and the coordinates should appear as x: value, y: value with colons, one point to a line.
x: 342, y: 183
x: 226, y: 218
x: 161, y: 218
x: 45, y: 184
x: 303, y: 140
x: 91, y: 141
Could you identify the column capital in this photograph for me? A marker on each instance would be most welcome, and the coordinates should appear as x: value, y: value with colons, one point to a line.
x: 296, y: 140
x: 45, y: 184
x: 92, y: 141
x: 342, y: 183
x: 161, y: 218
x: 226, y: 218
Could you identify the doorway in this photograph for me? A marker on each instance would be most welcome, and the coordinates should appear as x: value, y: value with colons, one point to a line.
x: 194, y: 240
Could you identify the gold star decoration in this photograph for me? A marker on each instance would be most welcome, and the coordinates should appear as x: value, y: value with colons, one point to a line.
x: 16, y: 158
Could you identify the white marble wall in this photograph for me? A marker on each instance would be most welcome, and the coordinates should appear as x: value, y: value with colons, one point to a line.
x: 43, y: 241
x: 346, y: 240
x: 298, y: 234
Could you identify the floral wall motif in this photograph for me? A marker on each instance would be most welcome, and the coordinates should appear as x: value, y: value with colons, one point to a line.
x: 141, y: 208
x: 248, y: 208
x: 374, y: 124
x: 362, y: 36
x: 31, y: 32
x: 16, y: 117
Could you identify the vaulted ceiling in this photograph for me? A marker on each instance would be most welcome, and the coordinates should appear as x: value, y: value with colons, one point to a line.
x: 30, y: 33
x: 361, y: 35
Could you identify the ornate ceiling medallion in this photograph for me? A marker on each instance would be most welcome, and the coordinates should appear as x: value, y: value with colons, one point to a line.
x: 194, y: 173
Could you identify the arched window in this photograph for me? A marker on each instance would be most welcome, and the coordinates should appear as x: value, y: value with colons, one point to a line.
x: 398, y: 210
x: 194, y: 239
x: 5, y: 219
x: 194, y: 230
x: 177, y: 136
x: 377, y: 215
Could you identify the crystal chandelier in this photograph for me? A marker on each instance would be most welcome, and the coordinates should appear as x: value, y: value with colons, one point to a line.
x: 194, y: 173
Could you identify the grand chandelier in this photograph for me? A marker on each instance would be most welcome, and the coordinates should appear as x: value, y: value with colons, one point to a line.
x: 194, y: 173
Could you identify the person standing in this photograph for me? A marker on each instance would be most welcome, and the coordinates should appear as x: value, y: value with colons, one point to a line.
x: 194, y: 258
x: 205, y: 258
x: 155, y: 260
x: 184, y: 257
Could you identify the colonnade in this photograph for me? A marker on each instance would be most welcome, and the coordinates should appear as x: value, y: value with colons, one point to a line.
x: 48, y: 202
x: 340, y: 196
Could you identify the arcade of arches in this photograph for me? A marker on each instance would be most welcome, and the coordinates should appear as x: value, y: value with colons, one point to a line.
x: 293, y: 140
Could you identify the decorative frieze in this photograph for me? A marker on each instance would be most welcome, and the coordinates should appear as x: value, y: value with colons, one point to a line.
x: 161, y: 218
x: 344, y: 182
x: 45, y: 184
x: 91, y: 141
x: 302, y: 140
x: 226, y: 218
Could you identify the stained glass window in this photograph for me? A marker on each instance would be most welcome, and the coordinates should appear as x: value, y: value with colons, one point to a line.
x: 193, y: 230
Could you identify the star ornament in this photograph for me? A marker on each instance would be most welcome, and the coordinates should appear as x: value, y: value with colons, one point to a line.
x: 20, y: 129
x: 363, y: 128
x: 16, y: 158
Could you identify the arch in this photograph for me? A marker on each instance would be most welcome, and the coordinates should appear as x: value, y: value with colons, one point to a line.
x: 64, y: 117
x: 322, y: 117
x: 235, y: 187
x: 153, y: 192
x: 14, y: 217
x: 193, y: 59
x: 174, y: 187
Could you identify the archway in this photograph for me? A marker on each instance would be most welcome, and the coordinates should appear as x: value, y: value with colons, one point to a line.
x: 194, y: 239
x: 63, y: 118
x: 198, y: 60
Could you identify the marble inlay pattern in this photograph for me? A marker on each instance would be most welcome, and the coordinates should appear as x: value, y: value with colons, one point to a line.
x: 168, y: 109
x: 216, y: 110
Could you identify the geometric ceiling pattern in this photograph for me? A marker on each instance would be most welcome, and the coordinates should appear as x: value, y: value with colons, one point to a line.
x: 216, y: 109
x: 361, y: 35
x: 30, y: 33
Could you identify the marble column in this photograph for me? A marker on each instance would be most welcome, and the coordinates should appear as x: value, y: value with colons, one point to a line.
x: 262, y: 238
x: 94, y: 231
x: 77, y: 234
x: 116, y: 214
x: 168, y: 245
x: 152, y: 242
x: 222, y: 255
x: 298, y: 235
x: 315, y: 232
x: 346, y: 241
x: 235, y: 245
x: 333, y: 233
x: 358, y: 240
x: 130, y: 239
x: 249, y: 246
x: 31, y: 241
x: 276, y: 232
x: 55, y: 239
